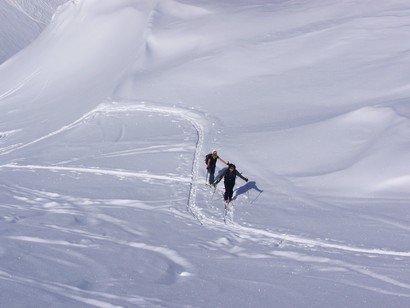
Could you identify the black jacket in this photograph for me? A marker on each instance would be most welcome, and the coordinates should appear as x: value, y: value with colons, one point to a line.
x: 212, y: 160
x: 230, y: 177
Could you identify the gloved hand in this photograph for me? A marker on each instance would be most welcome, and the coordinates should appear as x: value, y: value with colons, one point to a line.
x: 246, y: 179
x: 208, y: 168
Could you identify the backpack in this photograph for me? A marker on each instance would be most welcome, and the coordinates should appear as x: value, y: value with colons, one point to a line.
x: 207, y: 157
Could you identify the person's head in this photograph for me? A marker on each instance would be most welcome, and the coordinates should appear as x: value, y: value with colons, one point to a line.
x: 231, y: 167
x: 214, y: 154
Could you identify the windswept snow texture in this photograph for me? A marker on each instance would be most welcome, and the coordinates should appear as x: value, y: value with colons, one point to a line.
x: 22, y: 21
x: 105, y: 119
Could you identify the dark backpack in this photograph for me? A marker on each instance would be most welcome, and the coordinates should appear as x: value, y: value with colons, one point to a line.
x: 207, y: 157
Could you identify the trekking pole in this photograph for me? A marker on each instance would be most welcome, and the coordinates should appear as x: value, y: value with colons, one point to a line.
x: 213, y: 194
x: 256, y: 197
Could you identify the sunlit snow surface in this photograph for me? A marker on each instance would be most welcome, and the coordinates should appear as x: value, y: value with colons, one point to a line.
x: 105, y: 120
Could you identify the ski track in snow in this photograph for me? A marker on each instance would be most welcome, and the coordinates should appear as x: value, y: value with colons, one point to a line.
x: 201, y: 127
x: 260, y: 236
x: 268, y: 238
x: 20, y: 84
x: 100, y: 171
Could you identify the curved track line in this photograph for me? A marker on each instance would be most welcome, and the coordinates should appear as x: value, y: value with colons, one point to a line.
x: 19, y: 85
x: 194, y: 118
x: 200, y: 124
x: 56, y: 132
x: 197, y: 121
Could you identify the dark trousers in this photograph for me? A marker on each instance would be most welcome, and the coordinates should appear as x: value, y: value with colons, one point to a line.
x: 211, y: 170
x: 228, y: 191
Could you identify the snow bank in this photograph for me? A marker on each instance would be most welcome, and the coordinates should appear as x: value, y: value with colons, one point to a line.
x: 72, y: 67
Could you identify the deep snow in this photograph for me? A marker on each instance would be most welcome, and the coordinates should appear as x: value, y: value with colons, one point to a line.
x: 105, y: 120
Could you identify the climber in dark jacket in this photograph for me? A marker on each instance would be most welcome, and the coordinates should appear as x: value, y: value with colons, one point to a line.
x: 229, y: 176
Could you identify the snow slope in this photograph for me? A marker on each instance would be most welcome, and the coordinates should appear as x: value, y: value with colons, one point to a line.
x: 105, y: 120
x: 22, y: 21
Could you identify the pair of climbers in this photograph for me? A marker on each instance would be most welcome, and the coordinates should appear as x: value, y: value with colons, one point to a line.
x: 229, y: 174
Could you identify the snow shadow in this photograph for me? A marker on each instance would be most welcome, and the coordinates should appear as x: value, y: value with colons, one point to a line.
x: 245, y: 189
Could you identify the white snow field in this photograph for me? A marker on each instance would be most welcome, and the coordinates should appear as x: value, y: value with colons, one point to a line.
x: 105, y: 119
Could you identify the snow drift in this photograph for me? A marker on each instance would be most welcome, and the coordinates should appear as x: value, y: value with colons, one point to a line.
x: 105, y: 119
